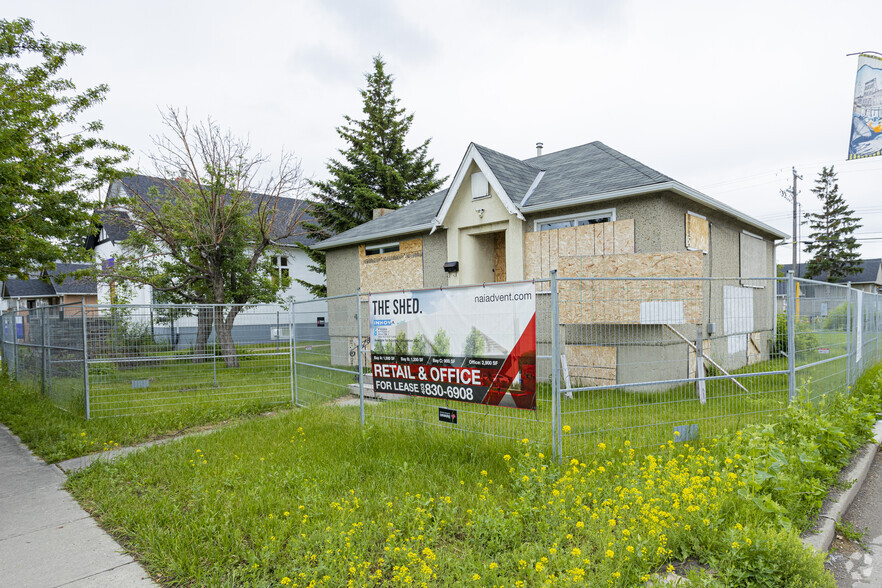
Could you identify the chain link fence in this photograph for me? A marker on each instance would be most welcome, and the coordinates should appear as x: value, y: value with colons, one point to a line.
x: 617, y: 359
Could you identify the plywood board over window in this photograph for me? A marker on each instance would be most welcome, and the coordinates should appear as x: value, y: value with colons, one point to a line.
x: 697, y: 233
x: 543, y: 250
x: 673, y: 301
x: 754, y: 260
x: 397, y: 270
x: 591, y: 365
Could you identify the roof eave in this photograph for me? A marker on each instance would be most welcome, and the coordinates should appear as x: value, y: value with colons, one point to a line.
x: 672, y: 186
x: 373, y: 237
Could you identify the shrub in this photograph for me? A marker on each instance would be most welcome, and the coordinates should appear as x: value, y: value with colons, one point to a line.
x: 806, y: 340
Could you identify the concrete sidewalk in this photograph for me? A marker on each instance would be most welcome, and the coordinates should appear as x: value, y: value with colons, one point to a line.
x: 46, y: 539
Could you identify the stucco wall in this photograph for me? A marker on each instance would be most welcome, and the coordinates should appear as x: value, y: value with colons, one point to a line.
x: 434, y: 257
x: 467, y: 236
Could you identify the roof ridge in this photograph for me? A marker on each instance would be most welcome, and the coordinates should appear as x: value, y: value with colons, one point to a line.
x: 512, y: 157
x: 629, y: 161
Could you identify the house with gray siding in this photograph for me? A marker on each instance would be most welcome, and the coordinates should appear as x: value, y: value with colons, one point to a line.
x: 587, y: 212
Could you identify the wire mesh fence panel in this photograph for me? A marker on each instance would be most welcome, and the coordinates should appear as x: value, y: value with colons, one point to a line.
x: 151, y: 358
x: 649, y: 360
x: 65, y: 360
x: 823, y: 328
x: 7, y: 340
x: 325, y: 351
x: 29, y: 348
x: 460, y: 335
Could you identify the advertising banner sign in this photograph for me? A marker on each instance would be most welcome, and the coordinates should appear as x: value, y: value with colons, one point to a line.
x: 866, y: 120
x: 474, y: 344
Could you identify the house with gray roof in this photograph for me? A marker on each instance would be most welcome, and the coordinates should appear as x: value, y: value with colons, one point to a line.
x: 478, y: 230
x: 868, y: 278
x: 115, y: 224
x: 587, y: 211
x: 62, y: 285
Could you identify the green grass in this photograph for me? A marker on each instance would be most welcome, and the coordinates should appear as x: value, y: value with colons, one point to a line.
x: 310, y: 496
x: 645, y: 418
x: 57, y: 435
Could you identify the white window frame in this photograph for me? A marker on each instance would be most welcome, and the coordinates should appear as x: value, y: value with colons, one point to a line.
x: 485, y: 179
x: 382, y: 248
x: 277, y: 265
x: 595, y: 214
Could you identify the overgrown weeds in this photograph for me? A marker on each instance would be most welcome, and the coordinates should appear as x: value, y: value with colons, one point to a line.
x: 311, y: 499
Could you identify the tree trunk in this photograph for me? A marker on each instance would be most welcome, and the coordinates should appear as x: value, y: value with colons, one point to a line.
x: 223, y: 328
x: 203, y: 332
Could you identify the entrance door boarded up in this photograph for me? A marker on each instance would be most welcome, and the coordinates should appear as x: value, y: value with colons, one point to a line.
x: 499, y: 257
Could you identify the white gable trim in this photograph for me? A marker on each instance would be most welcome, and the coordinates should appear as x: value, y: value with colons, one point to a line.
x: 472, y: 154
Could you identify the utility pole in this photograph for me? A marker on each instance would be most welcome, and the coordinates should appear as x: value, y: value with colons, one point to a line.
x: 791, y: 195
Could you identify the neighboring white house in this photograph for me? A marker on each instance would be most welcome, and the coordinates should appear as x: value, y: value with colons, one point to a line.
x: 116, y: 224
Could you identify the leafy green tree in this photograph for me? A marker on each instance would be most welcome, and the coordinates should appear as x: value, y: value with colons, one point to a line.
x: 375, y: 170
x: 49, y: 159
x: 378, y: 347
x: 441, y: 343
x: 833, y: 243
x: 401, y: 343
x: 205, y: 238
x: 474, y: 344
x: 419, y: 344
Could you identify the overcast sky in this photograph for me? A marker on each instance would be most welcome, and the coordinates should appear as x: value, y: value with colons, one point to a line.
x: 724, y: 97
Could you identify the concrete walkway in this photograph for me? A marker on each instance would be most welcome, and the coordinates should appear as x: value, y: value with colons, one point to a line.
x: 860, y: 566
x: 46, y: 539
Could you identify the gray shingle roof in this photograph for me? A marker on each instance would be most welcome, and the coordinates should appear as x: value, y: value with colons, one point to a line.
x: 414, y: 217
x: 70, y: 284
x: 118, y: 225
x: 32, y: 288
x: 868, y: 274
x: 515, y: 176
x: 588, y: 169
x: 571, y: 175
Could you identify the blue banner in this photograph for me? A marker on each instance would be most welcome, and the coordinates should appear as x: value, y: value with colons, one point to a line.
x: 866, y: 120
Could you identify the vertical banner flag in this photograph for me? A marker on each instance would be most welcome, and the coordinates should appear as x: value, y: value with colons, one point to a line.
x: 474, y: 344
x: 866, y: 120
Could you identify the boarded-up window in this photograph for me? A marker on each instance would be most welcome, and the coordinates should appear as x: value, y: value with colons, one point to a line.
x: 544, y: 248
x: 754, y: 262
x: 697, y: 233
x: 400, y: 268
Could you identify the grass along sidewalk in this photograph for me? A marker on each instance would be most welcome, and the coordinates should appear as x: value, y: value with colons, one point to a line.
x: 56, y: 435
x: 311, y: 499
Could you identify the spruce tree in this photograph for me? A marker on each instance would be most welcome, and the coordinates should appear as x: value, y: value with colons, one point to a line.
x: 832, y: 238
x: 375, y: 169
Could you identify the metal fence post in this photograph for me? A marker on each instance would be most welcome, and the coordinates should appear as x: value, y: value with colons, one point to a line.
x: 15, y: 342
x: 848, y: 319
x: 43, y: 351
x: 213, y: 349
x: 791, y: 337
x: 557, y: 442
x: 85, y: 359
x: 291, y: 356
x: 360, y: 358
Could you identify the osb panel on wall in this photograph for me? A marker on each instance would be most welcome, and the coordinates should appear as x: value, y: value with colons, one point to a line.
x: 499, y: 257
x: 619, y: 301
x: 398, y: 270
x: 591, y: 366
x: 754, y: 348
x: 543, y: 249
x: 697, y: 233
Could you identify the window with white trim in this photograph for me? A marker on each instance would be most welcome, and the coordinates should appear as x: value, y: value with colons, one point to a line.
x: 384, y: 248
x: 480, y: 186
x: 578, y: 220
x: 283, y: 271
